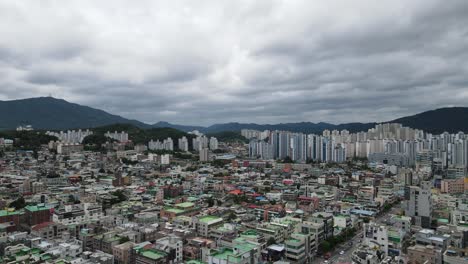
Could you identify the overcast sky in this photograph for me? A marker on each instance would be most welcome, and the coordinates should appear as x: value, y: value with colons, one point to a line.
x: 205, y: 62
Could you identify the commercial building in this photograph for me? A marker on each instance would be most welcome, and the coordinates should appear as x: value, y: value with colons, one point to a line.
x: 418, y: 204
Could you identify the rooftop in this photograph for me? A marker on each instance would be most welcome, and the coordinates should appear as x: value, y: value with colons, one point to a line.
x: 8, y: 212
x: 175, y: 210
x: 293, y: 241
x: 194, y: 262
x: 250, y: 233
x: 185, y: 205
x: 226, y: 253
x: 208, y: 219
x: 39, y: 207
x: 153, y: 254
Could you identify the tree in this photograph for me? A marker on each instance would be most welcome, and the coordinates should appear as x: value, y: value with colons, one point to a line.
x: 218, y: 163
x: 129, y: 162
x: 71, y: 198
x: 231, y: 216
x: 210, y: 201
x: 271, y: 241
x: 124, y: 239
x: 387, y: 207
x: 118, y: 196
x: 18, y: 204
x: 325, y: 246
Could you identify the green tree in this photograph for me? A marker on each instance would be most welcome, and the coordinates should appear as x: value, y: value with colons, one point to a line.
x: 129, y: 162
x: 387, y: 207
x: 124, y: 239
x: 71, y: 198
x: 218, y: 163
x: 210, y: 201
x: 271, y: 241
x: 231, y: 216
x: 325, y: 246
x: 18, y: 204
x: 118, y: 196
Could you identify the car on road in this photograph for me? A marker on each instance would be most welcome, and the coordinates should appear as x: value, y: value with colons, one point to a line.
x: 342, y: 252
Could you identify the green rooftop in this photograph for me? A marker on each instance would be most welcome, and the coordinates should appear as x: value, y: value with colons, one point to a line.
x: 36, y: 251
x: 250, y: 233
x: 7, y: 212
x: 195, y: 262
x: 46, y: 257
x: 153, y: 254
x: 209, y: 218
x: 394, y: 236
x: 443, y: 220
x: 293, y: 241
x: 340, y: 216
x: 226, y: 253
x: 299, y: 234
x: 111, y: 239
x: 185, y: 205
x: 175, y: 210
x: 39, y: 207
x: 192, y: 199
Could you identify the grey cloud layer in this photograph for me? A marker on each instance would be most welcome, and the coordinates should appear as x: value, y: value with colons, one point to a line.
x: 206, y: 62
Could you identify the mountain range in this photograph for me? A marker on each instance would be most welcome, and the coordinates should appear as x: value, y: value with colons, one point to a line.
x: 55, y: 114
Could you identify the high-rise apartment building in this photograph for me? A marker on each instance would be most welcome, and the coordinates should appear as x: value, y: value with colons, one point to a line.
x: 204, y: 154
x: 213, y: 143
x: 183, y: 144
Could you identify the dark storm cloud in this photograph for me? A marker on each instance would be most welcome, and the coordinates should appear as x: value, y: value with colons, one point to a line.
x: 246, y: 61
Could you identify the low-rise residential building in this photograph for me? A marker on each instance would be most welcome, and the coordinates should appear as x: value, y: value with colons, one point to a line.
x: 427, y: 253
x: 203, y: 224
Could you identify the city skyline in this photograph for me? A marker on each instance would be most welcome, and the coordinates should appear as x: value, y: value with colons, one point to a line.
x: 26, y: 103
x: 263, y: 62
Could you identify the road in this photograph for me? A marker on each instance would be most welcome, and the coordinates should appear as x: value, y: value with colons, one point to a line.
x: 348, y: 251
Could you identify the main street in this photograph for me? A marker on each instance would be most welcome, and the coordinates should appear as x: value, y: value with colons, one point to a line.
x: 355, y: 240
